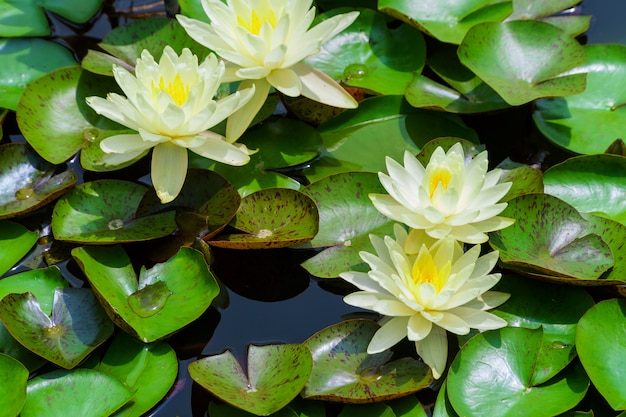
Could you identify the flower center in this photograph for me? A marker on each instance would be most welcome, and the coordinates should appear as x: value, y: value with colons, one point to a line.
x: 425, y: 271
x: 441, y: 175
x: 253, y: 25
x: 177, y: 89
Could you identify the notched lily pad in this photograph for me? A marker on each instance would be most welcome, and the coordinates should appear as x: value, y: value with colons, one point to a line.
x: 103, y: 212
x: 272, y: 218
x: 550, y: 238
x: 344, y: 371
x: 276, y: 374
x: 27, y: 182
x: 77, y: 325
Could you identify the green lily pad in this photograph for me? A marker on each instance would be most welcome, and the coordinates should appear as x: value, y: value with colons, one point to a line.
x: 524, y: 179
x: 76, y: 327
x: 447, y: 20
x: 346, y: 219
x: 443, y: 408
x: 470, y: 149
x: 353, y: 138
x: 147, y: 369
x: 590, y: 184
x: 125, y: 44
x: 272, y: 218
x: 600, y: 341
x: 13, y: 378
x: 23, y: 61
x: 555, y: 308
x: 551, y: 12
x: 493, y: 374
x: 344, y: 371
x: 27, y: 182
x: 367, y: 410
x: 371, y: 54
x: 549, y: 236
x: 589, y: 122
x: 167, y: 297
x: 524, y: 60
x: 15, y: 242
x: 614, y: 235
x: 81, y: 392
x: 56, y: 121
x: 103, y: 212
x: 227, y: 410
x: 276, y: 374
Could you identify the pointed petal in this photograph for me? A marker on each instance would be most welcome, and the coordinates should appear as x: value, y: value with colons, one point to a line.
x: 217, y: 149
x: 169, y: 169
x: 388, y: 335
x: 286, y: 81
x: 418, y: 327
x: 121, y: 144
x: 434, y: 351
x: 320, y: 87
x: 239, y: 121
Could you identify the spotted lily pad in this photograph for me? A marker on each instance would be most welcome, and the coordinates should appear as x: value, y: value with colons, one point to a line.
x: 163, y: 300
x: 15, y: 242
x: 81, y: 392
x: 27, y: 182
x: 372, y: 54
x: 76, y: 326
x: 103, y: 212
x: 524, y: 60
x: 272, y: 218
x: 551, y: 12
x: 276, y: 374
x: 493, y: 374
x: 550, y: 237
x: 347, y: 218
x: 13, y: 378
x: 344, y: 371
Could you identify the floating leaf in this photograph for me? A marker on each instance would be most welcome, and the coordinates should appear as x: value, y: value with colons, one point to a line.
x: 344, y: 371
x: 371, y: 53
x: 276, y: 374
x: 369, y: 410
x: 190, y: 285
x: 614, y: 235
x: 600, y: 341
x: 524, y: 179
x: 549, y: 236
x: 346, y: 217
x: 76, y: 327
x: 524, y: 60
x: 227, y: 410
x: 27, y: 182
x: 553, y: 12
x: 272, y: 218
x: 15, y: 242
x: 493, y: 373
x: 81, y: 392
x: 103, y: 211
x: 13, y: 378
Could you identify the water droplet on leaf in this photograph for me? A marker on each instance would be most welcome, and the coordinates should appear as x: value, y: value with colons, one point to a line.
x: 116, y: 224
x: 149, y: 300
x: 370, y: 374
x: 355, y: 71
x: 91, y: 135
x: 24, y: 193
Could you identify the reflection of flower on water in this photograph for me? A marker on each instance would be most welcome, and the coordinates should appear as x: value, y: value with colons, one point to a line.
x: 170, y: 104
x: 445, y: 198
x: 263, y: 42
x: 425, y: 287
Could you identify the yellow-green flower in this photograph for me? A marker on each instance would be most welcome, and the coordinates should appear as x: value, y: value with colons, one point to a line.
x: 264, y: 42
x: 447, y: 197
x: 425, y: 287
x: 170, y: 104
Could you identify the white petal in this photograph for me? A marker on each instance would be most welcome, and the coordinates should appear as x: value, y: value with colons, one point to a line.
x: 388, y: 335
x: 218, y: 149
x: 478, y: 319
x: 230, y: 104
x: 124, y: 144
x: 239, y: 121
x: 434, y: 351
x: 169, y: 169
x: 418, y: 327
x: 286, y: 81
x: 362, y: 281
x: 320, y: 87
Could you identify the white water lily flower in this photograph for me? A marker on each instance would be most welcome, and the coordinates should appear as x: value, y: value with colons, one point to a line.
x: 171, y: 106
x: 445, y: 198
x: 425, y: 287
x: 264, y: 42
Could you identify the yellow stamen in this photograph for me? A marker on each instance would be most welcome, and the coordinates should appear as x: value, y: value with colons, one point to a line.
x: 256, y: 21
x: 177, y: 89
x: 441, y: 175
x: 425, y: 271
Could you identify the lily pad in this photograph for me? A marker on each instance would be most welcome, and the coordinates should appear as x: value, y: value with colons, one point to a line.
x: 589, y: 122
x: 13, y: 378
x: 600, y: 341
x: 227, y: 410
x: 23, y: 61
x: 524, y: 60
x: 272, y: 218
x: 614, y: 235
x: 165, y: 298
x: 493, y: 375
x: 15, y: 242
x: 76, y: 326
x: 524, y: 179
x: 27, y: 182
x: 590, y: 184
x: 346, y: 219
x: 344, y: 371
x: 447, y: 20
x: 276, y: 374
x: 371, y: 53
x: 147, y: 369
x: 103, y: 212
x: 551, y: 12
x: 81, y: 392
x: 551, y: 237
